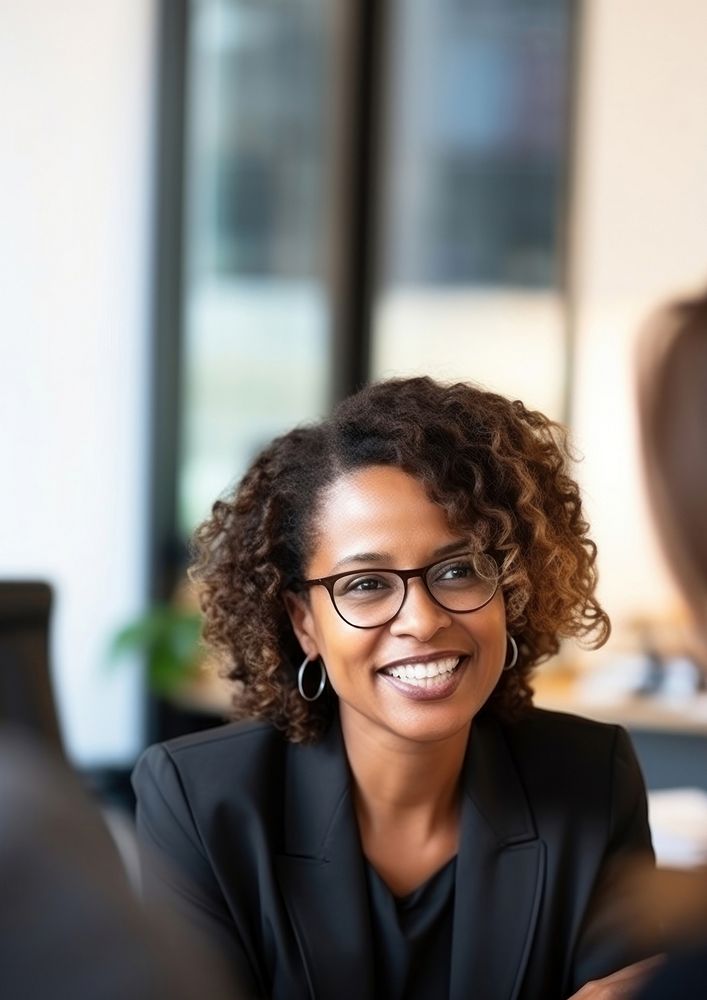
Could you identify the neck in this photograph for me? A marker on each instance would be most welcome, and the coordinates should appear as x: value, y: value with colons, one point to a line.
x: 398, y: 780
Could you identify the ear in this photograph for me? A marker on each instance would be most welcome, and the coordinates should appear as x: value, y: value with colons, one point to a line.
x: 299, y: 610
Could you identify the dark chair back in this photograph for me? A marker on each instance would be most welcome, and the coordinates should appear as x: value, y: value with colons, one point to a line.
x: 26, y: 695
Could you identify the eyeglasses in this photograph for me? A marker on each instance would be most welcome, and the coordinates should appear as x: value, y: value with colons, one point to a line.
x: 369, y: 598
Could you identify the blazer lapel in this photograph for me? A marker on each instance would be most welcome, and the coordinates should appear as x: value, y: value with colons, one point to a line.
x: 321, y: 873
x: 499, y: 879
x: 500, y: 873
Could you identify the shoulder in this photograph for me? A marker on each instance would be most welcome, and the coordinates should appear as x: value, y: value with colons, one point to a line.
x: 241, y: 747
x: 542, y: 729
x: 223, y: 786
x: 585, y: 772
x: 242, y: 760
x: 232, y: 785
x: 573, y: 751
x: 242, y: 744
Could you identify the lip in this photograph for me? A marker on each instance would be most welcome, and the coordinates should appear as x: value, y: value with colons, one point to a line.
x: 437, y: 693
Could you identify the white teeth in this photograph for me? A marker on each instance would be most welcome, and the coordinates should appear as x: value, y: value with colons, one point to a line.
x: 421, y: 674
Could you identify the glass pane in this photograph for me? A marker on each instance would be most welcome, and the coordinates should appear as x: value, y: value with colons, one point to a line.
x: 476, y: 121
x: 258, y: 165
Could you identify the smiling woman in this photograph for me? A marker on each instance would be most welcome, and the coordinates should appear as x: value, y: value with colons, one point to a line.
x: 401, y: 822
x: 380, y: 674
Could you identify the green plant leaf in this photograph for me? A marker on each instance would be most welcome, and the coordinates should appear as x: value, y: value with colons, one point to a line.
x: 169, y: 639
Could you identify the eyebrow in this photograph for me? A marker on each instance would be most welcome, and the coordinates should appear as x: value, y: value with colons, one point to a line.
x: 386, y: 558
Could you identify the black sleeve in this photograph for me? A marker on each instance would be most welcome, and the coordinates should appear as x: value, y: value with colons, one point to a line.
x: 605, y: 942
x: 175, y: 869
x: 684, y: 976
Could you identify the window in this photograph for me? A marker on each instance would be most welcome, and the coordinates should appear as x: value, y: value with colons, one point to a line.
x: 473, y: 177
x: 258, y: 166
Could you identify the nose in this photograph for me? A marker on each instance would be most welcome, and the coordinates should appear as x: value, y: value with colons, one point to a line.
x: 419, y: 616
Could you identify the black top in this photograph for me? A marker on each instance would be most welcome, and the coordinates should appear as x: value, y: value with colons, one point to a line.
x: 412, y: 936
x: 266, y: 857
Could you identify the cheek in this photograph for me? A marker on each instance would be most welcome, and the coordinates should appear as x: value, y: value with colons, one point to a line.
x: 492, y: 636
x: 494, y: 619
x: 337, y: 642
x: 347, y: 653
x: 348, y: 657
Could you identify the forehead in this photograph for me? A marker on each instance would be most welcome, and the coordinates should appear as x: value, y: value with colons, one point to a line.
x: 378, y: 510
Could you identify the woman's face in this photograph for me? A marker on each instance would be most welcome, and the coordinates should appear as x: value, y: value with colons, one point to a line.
x: 380, y: 516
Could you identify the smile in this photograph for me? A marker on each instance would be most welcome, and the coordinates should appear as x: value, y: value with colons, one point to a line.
x: 432, y: 673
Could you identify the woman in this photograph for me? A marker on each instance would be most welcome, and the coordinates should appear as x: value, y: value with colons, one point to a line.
x: 401, y: 821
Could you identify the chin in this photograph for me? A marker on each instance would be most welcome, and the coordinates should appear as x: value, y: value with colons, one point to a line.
x: 432, y: 727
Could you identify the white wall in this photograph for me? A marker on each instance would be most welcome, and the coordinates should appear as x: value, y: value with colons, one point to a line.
x: 640, y: 236
x: 76, y: 96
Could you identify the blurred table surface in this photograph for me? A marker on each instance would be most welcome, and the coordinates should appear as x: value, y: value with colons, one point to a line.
x: 642, y: 712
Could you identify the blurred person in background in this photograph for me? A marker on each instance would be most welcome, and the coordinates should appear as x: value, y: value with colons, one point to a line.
x: 672, y: 400
x: 71, y: 926
x: 396, y: 819
x: 672, y: 397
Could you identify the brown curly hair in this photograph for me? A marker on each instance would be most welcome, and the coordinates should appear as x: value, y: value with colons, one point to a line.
x: 498, y: 470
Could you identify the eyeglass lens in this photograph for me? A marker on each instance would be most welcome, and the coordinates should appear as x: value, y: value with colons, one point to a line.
x: 373, y: 597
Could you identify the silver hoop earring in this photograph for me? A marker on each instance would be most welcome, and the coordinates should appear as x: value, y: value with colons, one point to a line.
x: 514, y: 658
x: 300, y: 678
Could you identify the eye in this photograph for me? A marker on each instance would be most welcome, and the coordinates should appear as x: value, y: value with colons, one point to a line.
x: 369, y: 585
x: 461, y: 569
x: 366, y: 583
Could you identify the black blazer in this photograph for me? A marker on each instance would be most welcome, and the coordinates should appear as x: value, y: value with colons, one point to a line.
x: 266, y: 857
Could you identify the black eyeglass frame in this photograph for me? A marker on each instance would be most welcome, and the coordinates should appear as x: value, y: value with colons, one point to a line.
x: 404, y: 574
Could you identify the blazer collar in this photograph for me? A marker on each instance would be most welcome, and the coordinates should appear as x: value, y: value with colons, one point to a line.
x: 500, y: 870
x: 491, y: 781
x: 322, y: 875
x: 317, y: 796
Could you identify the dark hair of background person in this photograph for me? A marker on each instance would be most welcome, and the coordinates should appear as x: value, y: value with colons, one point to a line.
x: 499, y: 470
x: 672, y: 399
